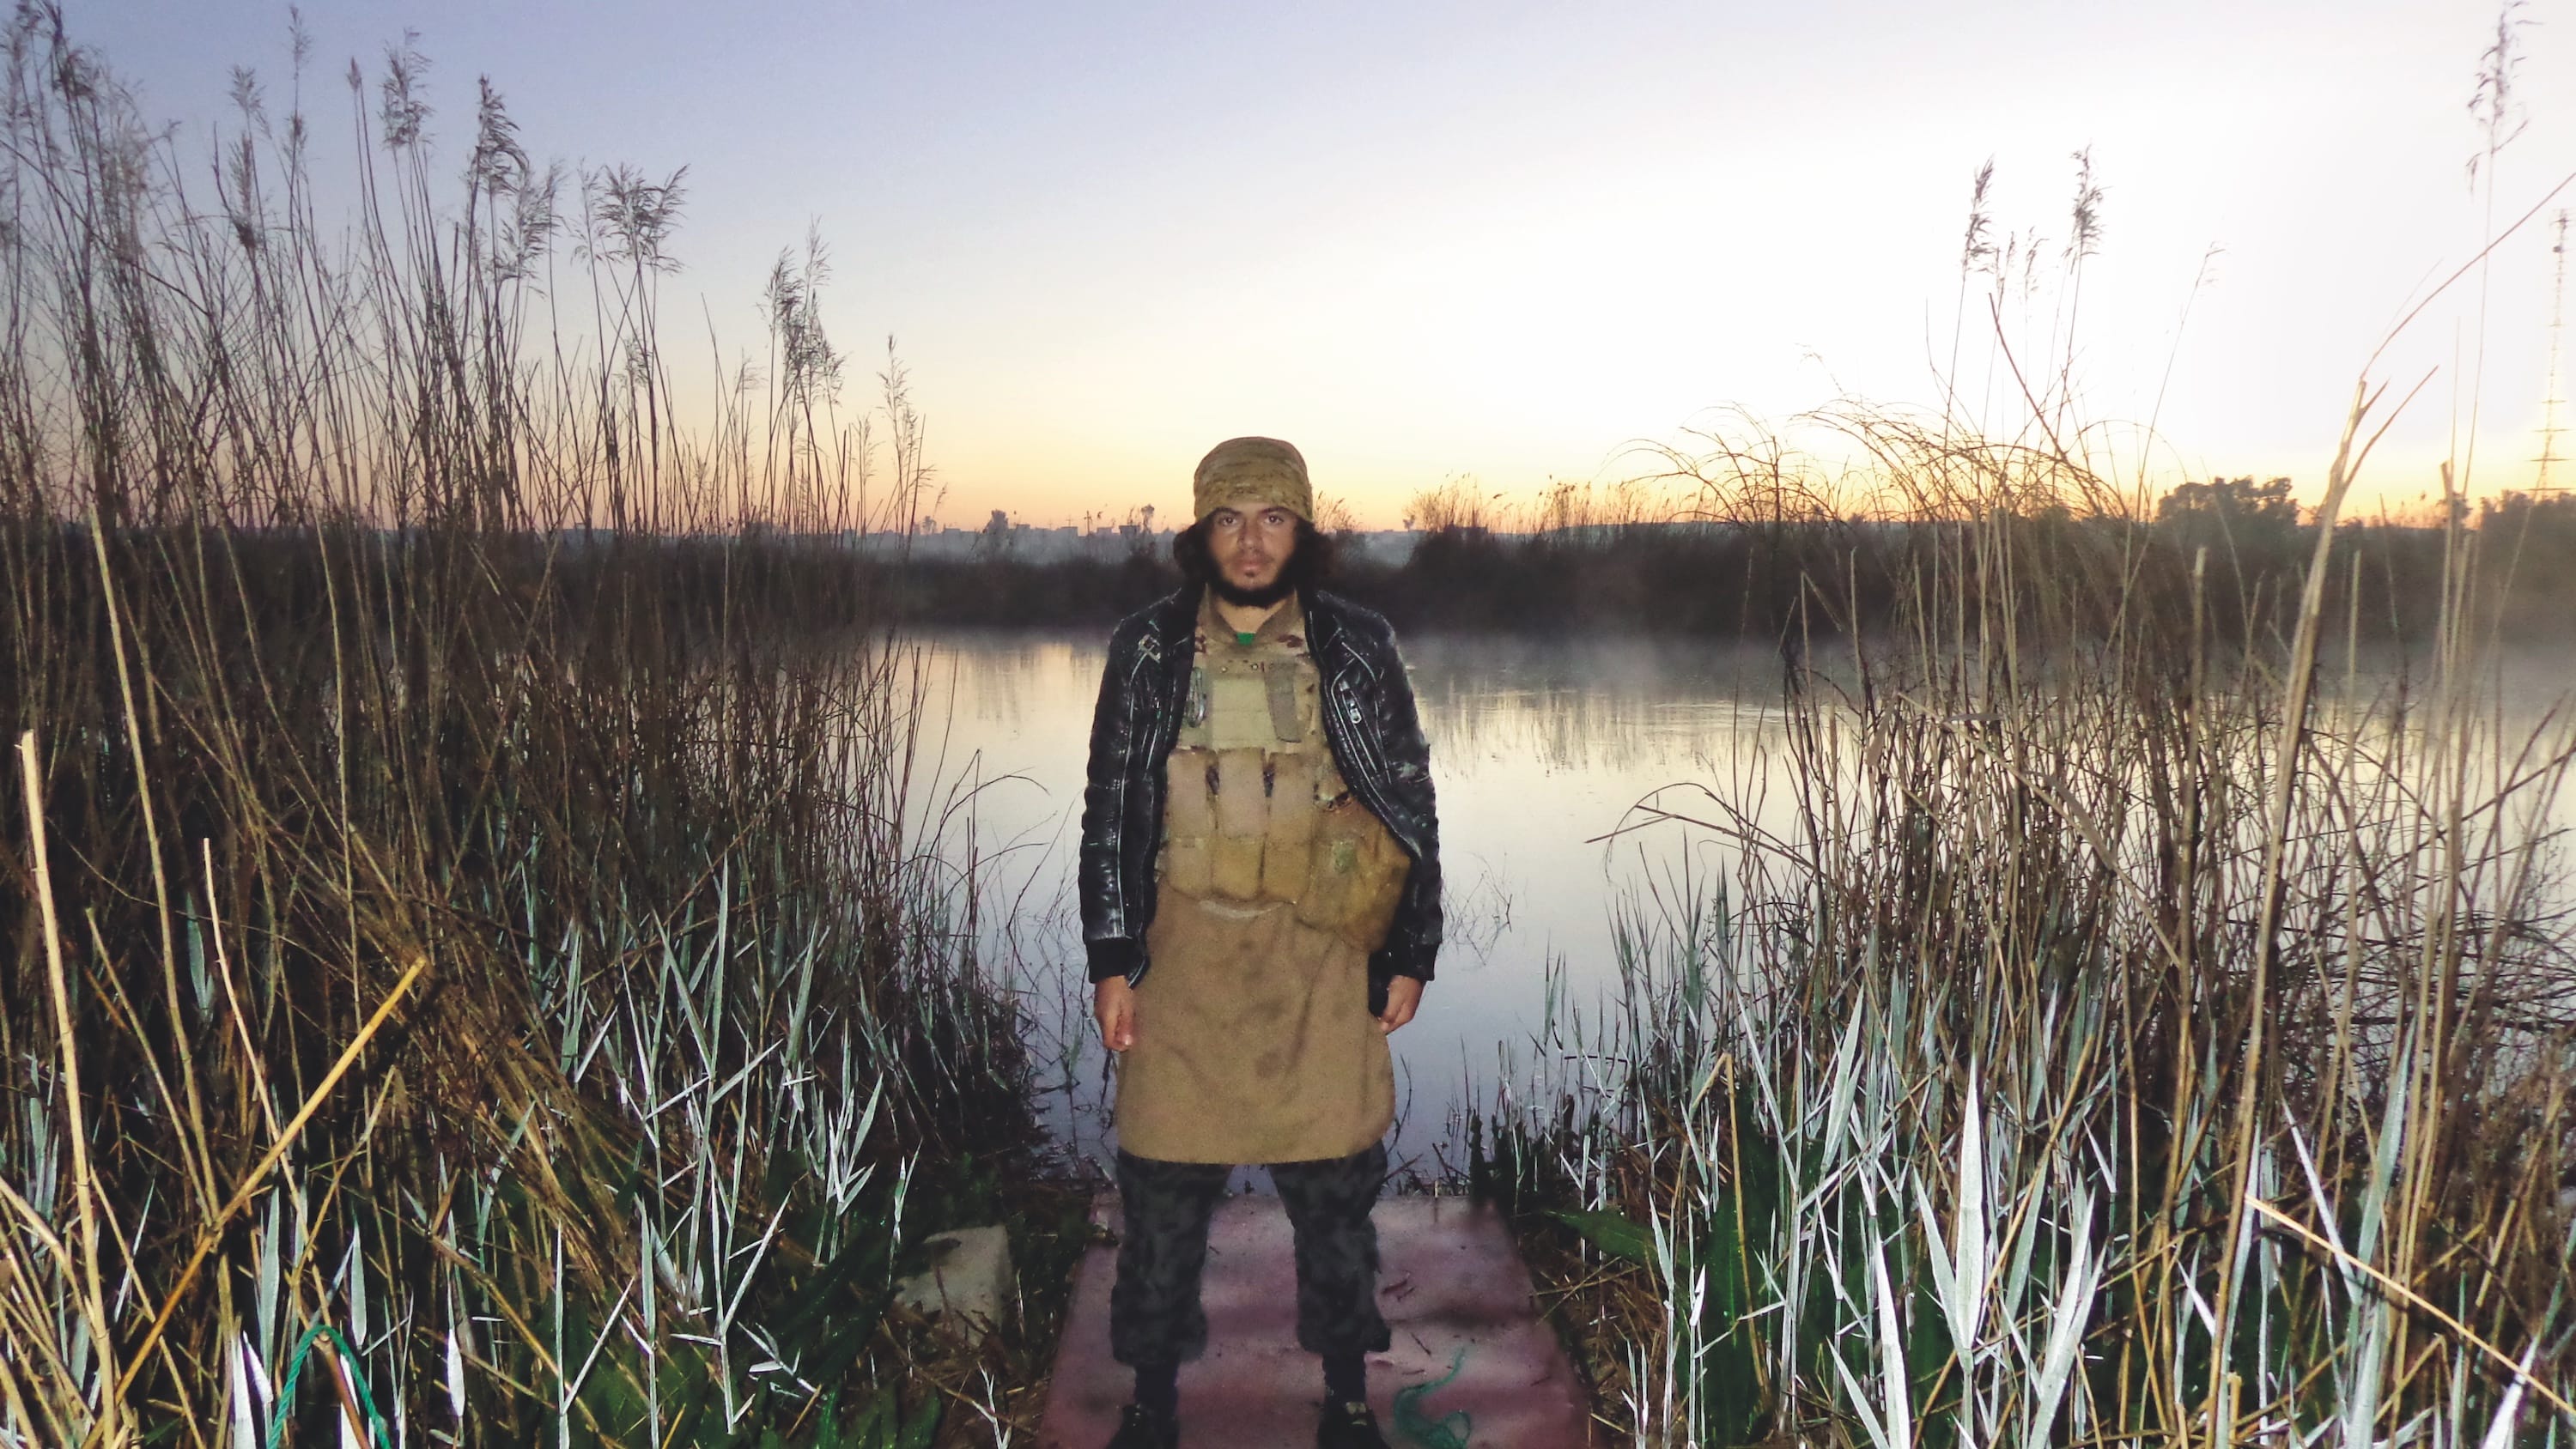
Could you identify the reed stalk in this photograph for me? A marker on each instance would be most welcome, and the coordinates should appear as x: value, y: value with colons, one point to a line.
x: 479, y: 940
x: 2133, y: 1032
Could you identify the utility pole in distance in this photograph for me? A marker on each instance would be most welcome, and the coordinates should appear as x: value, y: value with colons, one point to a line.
x: 2550, y: 428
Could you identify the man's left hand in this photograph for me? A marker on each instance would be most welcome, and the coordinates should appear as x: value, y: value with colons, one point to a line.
x: 1403, y: 996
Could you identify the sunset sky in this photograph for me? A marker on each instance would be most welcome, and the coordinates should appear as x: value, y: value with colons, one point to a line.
x: 1506, y: 241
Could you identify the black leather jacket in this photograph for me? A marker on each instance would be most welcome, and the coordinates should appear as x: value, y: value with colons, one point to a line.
x: 1369, y: 721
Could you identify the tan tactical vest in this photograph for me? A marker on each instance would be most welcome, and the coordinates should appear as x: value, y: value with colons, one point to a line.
x: 1257, y: 811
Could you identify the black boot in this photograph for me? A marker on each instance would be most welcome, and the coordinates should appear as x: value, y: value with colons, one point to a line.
x: 1348, y: 1426
x: 1143, y: 1428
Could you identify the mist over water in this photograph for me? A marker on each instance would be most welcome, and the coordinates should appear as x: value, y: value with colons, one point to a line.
x: 1543, y: 753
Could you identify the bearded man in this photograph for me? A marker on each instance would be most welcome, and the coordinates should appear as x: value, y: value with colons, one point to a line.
x: 1260, y: 883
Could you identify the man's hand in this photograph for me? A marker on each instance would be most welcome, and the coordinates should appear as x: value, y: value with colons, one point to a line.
x: 1113, y: 1005
x: 1403, y: 996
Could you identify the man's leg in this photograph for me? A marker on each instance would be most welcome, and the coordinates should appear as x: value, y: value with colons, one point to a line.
x: 1328, y: 1206
x: 1155, y: 1320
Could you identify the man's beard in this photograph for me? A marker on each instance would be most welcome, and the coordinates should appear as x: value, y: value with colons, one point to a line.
x: 1260, y: 598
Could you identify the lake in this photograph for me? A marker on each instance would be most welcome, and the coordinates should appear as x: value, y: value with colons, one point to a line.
x: 1540, y: 750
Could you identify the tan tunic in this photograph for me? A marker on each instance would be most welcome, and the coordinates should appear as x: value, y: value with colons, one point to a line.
x: 1253, y: 1038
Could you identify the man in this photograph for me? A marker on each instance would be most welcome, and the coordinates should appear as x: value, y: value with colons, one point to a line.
x: 1260, y: 881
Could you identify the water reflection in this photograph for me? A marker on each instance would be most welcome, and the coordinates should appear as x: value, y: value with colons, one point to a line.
x: 1541, y: 752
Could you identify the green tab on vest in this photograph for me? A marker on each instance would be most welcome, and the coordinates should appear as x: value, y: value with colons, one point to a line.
x: 1244, y: 638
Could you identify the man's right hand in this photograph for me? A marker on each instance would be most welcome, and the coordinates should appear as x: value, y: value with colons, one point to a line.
x: 1113, y: 1005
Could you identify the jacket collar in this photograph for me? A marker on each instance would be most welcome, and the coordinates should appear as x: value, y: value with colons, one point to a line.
x: 1176, y: 621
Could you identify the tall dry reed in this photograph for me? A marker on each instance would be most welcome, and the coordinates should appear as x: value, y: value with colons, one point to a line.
x: 2151, y: 1016
x: 475, y: 949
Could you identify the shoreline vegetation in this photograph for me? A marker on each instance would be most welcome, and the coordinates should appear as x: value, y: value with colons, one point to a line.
x: 486, y: 967
x: 461, y: 988
x: 1773, y: 555
x: 2148, y: 1027
x: 2137, y: 1034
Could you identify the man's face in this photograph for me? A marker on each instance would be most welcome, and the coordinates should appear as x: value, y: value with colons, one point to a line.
x: 1250, y: 545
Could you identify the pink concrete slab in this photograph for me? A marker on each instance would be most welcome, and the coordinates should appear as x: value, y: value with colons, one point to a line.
x: 1450, y: 1281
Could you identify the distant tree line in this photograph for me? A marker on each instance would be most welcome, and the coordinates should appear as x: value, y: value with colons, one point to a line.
x: 2231, y: 552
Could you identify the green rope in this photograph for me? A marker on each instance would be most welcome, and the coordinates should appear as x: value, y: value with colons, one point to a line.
x: 1452, y: 1429
x: 295, y: 1369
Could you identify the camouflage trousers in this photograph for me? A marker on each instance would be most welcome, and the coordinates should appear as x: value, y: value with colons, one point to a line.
x: 1154, y: 1311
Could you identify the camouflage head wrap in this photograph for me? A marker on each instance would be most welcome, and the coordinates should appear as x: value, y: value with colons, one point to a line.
x: 1262, y: 471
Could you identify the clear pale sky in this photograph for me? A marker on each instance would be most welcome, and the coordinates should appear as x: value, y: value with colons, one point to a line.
x: 1505, y: 240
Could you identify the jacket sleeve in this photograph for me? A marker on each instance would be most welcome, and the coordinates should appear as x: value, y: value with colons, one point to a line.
x: 1111, y: 934
x: 1414, y: 939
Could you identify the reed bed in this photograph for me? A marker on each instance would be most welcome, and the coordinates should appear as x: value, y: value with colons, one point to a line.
x: 2139, y: 1030
x: 481, y: 967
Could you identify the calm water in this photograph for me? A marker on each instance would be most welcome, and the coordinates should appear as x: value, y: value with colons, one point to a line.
x: 1539, y: 751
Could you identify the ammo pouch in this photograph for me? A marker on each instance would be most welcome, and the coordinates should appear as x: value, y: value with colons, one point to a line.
x: 1249, y: 826
x: 1354, y: 876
